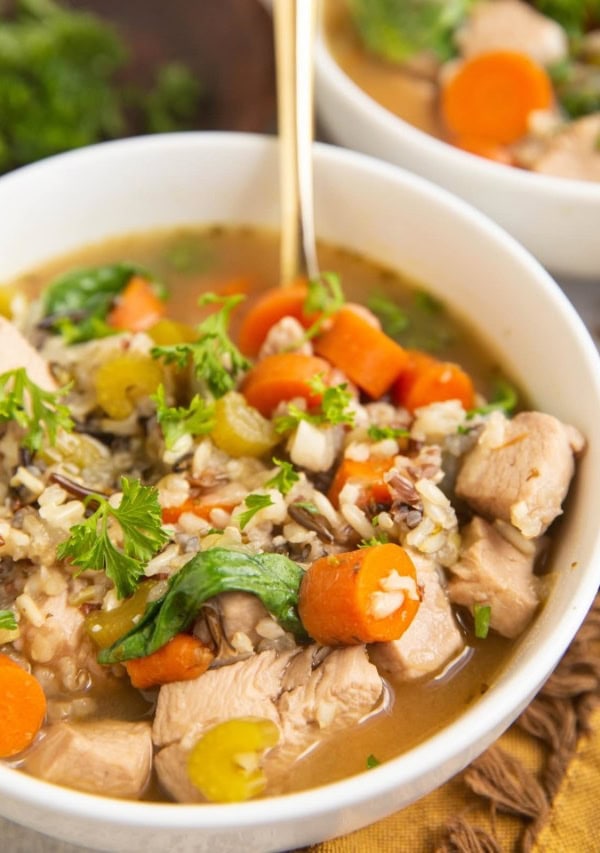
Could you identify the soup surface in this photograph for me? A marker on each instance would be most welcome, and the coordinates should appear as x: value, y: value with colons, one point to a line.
x: 512, y: 81
x: 144, y: 522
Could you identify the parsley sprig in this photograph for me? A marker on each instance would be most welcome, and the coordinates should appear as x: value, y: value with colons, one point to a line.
x: 325, y: 297
x: 378, y: 433
x: 216, y: 360
x: 175, y: 421
x: 90, y: 546
x: 254, y: 504
x: 335, y: 407
x: 37, y: 411
x: 285, y: 478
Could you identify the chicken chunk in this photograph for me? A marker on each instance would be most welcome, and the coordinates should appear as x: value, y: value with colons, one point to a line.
x: 512, y: 25
x: 16, y: 351
x: 332, y: 696
x: 108, y: 756
x: 573, y: 152
x: 308, y: 694
x: 432, y: 639
x: 520, y: 470
x: 491, y: 571
x: 248, y: 688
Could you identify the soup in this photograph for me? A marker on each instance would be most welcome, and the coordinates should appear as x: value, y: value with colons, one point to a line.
x: 240, y: 541
x: 508, y: 80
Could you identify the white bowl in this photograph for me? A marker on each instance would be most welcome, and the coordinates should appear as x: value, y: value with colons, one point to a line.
x: 402, y: 221
x: 555, y: 218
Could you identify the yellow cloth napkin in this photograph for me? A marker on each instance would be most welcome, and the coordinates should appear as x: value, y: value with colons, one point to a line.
x: 572, y: 824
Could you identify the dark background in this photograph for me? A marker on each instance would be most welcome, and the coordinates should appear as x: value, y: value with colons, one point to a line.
x: 228, y: 44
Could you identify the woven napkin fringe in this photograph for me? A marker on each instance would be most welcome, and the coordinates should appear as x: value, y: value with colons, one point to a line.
x: 557, y: 718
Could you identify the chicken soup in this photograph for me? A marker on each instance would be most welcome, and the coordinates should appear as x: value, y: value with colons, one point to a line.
x: 242, y: 522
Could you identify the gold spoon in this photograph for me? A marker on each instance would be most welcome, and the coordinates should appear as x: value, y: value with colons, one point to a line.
x: 295, y: 26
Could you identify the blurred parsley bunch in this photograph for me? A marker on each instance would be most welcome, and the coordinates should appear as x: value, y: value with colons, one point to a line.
x: 58, y: 87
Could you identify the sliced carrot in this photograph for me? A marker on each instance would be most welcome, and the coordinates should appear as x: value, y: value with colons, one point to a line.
x: 492, y: 95
x: 202, y: 509
x: 428, y: 380
x: 484, y: 148
x: 138, y: 307
x: 5, y: 660
x: 269, y: 308
x: 366, y: 355
x: 22, y: 708
x: 367, y: 475
x: 416, y: 364
x: 181, y: 659
x: 282, y: 377
x: 364, y: 596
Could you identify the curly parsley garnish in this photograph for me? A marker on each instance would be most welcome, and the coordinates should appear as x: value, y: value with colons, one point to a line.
x: 175, y: 421
x: 335, y: 408
x: 216, y: 360
x: 285, y: 478
x: 254, y: 504
x: 325, y: 297
x: 378, y: 433
x: 89, y: 545
x: 504, y: 399
x: 37, y: 411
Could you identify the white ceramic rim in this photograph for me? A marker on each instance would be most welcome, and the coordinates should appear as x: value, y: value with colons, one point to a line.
x: 487, y: 714
x: 568, y: 190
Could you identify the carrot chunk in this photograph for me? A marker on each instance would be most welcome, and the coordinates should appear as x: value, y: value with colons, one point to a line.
x: 492, y: 95
x: 22, y: 708
x: 138, y: 307
x: 364, y: 596
x: 283, y: 376
x: 181, y: 659
x: 202, y: 509
x: 366, y: 355
x: 427, y: 380
x: 367, y: 475
x: 269, y: 308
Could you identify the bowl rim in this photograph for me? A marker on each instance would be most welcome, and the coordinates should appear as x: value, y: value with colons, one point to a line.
x: 480, y: 723
x: 439, y: 151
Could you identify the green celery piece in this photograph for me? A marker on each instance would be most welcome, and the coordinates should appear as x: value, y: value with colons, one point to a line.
x: 274, y: 578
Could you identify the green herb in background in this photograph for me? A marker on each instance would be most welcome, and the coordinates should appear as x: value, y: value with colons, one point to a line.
x: 59, y: 88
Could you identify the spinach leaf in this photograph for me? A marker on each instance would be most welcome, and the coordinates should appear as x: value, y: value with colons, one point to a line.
x: 274, y: 578
x: 77, y: 303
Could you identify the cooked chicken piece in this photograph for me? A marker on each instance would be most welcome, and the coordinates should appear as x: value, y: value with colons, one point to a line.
x: 171, y: 768
x: 307, y: 695
x: 432, y: 639
x: 230, y: 622
x: 491, y: 571
x: 337, y: 693
x: 16, y: 351
x: 110, y: 756
x: 520, y: 470
x: 573, y: 152
x: 248, y: 688
x: 512, y: 25
x: 56, y: 636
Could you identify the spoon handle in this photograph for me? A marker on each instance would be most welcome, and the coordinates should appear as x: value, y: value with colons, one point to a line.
x: 295, y: 25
